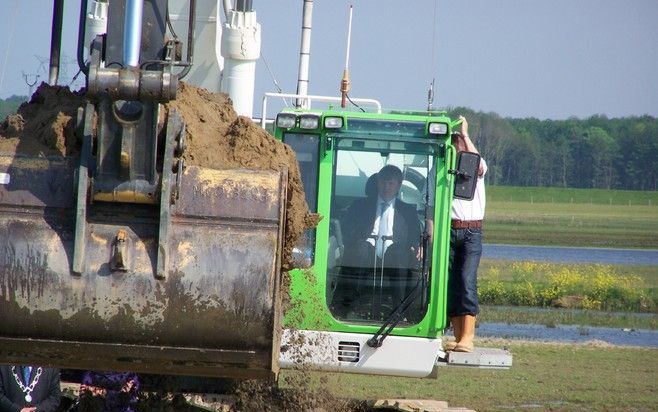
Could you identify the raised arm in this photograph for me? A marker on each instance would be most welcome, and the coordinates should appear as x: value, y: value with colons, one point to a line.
x: 467, y: 143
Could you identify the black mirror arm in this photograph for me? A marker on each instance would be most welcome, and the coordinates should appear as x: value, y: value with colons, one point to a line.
x: 459, y: 173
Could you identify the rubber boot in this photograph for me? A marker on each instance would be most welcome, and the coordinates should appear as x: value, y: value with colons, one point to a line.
x: 465, y: 344
x: 456, y: 330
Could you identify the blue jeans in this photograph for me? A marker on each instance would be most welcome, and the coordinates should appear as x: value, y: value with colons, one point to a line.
x: 465, y: 253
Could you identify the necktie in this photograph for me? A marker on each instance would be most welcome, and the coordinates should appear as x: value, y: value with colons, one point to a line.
x: 383, y: 227
x: 27, y: 370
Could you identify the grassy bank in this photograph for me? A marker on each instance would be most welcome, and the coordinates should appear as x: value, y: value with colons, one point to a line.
x: 571, y: 286
x: 544, y: 377
x: 551, y: 317
x: 506, y: 270
x: 572, y: 217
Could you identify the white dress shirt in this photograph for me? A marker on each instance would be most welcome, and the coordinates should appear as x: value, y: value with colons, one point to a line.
x: 464, y: 209
x: 471, y: 209
x: 383, y: 225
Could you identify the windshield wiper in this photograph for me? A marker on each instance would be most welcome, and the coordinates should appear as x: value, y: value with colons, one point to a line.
x: 396, y: 316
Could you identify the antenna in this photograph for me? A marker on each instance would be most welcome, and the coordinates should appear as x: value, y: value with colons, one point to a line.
x: 345, y: 81
x: 430, y: 92
x: 430, y: 96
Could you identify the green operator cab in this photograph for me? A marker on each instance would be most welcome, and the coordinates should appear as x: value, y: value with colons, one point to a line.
x: 369, y: 317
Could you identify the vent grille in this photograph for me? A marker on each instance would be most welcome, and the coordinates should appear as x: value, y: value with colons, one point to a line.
x: 348, y: 351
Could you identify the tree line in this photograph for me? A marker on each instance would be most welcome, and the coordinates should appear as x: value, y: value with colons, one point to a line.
x: 597, y: 152
x: 10, y: 106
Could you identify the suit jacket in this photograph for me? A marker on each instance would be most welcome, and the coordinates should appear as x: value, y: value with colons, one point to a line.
x: 45, y: 396
x: 361, y: 216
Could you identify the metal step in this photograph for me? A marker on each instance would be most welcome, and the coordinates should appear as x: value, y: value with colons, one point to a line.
x: 486, y: 358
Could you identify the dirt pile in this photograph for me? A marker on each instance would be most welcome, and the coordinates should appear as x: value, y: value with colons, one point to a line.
x: 216, y: 138
x: 44, y: 126
x: 220, y: 139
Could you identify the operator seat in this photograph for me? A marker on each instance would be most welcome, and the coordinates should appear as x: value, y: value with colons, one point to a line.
x: 371, y: 186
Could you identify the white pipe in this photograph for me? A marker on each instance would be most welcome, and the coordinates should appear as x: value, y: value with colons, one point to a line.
x: 238, y: 82
x: 132, y: 32
x: 208, y: 63
x: 305, y: 51
x: 310, y: 98
x: 227, y: 7
x: 240, y: 49
x: 96, y: 22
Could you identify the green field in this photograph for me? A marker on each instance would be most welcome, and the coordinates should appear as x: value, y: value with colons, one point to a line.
x: 544, y: 377
x: 572, y: 217
x: 562, y: 195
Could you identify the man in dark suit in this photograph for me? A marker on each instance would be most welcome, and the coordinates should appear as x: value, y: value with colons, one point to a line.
x: 382, y: 235
x: 29, y: 389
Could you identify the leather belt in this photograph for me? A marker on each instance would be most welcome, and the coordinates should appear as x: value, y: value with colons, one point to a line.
x: 466, y: 224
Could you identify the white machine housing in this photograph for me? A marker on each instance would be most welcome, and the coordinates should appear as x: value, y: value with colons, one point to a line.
x: 349, y: 352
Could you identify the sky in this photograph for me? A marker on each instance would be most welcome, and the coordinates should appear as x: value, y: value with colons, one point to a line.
x: 549, y: 59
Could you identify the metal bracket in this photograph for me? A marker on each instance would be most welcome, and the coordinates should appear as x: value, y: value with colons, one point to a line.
x: 175, y: 127
x: 484, y: 358
x: 82, y: 190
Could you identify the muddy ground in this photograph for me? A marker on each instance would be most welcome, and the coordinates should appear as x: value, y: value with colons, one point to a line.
x: 245, y: 396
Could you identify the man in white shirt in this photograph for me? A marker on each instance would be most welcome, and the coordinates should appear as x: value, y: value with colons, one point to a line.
x: 465, y: 250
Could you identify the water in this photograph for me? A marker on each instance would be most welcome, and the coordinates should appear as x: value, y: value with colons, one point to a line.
x: 570, y: 334
x: 571, y: 254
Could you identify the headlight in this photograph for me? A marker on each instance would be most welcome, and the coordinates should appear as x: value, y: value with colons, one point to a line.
x: 438, y: 128
x: 333, y: 122
x: 309, y: 121
x: 286, y: 120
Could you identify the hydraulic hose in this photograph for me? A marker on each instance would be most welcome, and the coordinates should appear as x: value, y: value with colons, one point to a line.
x: 81, y: 38
x: 56, y: 41
x: 190, y: 40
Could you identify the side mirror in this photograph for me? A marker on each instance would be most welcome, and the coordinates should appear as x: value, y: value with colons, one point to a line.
x: 468, y: 165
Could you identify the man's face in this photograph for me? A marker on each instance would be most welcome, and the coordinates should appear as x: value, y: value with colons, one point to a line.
x: 388, y: 188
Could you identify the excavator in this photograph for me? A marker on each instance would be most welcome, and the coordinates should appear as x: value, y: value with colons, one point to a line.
x: 126, y: 258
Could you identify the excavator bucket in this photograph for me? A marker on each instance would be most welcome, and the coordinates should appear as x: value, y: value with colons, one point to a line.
x: 187, y: 287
